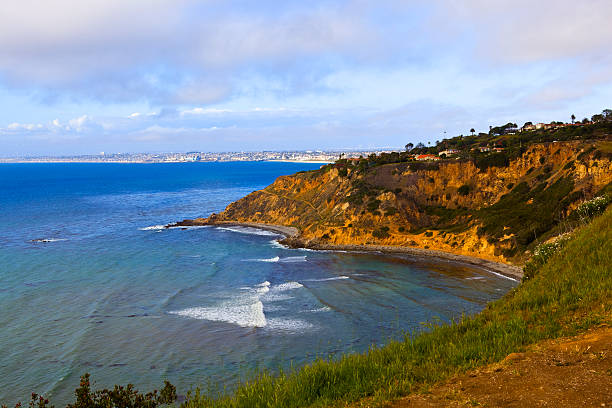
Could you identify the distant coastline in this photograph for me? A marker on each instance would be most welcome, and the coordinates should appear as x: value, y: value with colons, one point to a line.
x: 293, y: 156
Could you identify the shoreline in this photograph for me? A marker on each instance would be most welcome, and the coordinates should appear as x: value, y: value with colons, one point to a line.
x: 292, y: 240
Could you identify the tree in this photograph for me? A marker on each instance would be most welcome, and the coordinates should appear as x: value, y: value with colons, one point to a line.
x: 597, y: 118
x: 585, y: 121
x: 472, y: 130
x: 607, y: 114
x: 573, y: 118
x: 409, y: 147
x: 528, y: 124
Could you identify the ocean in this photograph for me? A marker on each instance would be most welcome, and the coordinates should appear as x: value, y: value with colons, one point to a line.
x: 90, y: 282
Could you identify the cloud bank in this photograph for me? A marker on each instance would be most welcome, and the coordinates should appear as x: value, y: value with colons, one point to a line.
x: 79, y: 77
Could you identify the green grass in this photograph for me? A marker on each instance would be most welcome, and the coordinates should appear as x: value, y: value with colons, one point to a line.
x: 571, y: 292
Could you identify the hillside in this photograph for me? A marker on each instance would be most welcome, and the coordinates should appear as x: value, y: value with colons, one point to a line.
x: 485, y: 207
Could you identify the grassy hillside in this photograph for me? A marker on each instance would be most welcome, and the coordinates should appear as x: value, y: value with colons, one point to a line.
x: 568, y: 294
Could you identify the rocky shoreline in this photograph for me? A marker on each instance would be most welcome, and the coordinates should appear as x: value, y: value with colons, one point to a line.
x: 293, y: 240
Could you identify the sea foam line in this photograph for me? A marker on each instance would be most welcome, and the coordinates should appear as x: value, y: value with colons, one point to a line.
x: 250, y: 231
x: 342, y: 277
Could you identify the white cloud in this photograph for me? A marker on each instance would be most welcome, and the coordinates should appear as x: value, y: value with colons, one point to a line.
x: 164, y: 51
x: 23, y: 126
x: 522, y: 31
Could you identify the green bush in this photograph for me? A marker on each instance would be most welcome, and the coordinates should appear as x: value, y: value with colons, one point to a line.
x: 119, y: 397
x: 593, y: 207
x: 382, y: 232
x: 464, y: 190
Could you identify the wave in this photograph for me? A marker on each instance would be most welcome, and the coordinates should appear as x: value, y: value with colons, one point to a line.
x: 287, y: 286
x: 294, y: 326
x: 342, y: 277
x: 247, y: 308
x: 321, y: 309
x: 274, y: 259
x: 158, y: 228
x: 289, y: 259
x: 47, y: 240
x: 275, y: 244
x: 153, y: 228
x: 244, y: 310
x: 245, y: 315
x: 250, y: 231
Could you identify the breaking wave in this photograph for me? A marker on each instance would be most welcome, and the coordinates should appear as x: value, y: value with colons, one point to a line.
x: 250, y: 231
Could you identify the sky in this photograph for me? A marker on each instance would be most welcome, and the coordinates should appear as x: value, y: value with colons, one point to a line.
x: 82, y: 77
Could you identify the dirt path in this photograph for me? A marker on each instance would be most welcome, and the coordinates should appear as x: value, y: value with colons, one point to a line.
x: 571, y: 372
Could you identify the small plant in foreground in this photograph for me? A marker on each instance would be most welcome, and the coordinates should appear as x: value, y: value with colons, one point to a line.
x: 542, y: 254
x: 119, y: 397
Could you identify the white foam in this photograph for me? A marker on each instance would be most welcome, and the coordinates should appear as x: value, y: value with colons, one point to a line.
x: 250, y: 231
x: 275, y: 259
x: 342, y: 277
x: 46, y: 240
x: 158, y: 228
x: 287, y: 286
x: 245, y: 315
x: 153, y: 228
x: 275, y: 244
x: 244, y: 310
x: 290, y: 259
x: 501, y: 275
x: 476, y: 278
x: 321, y: 309
x: 289, y: 325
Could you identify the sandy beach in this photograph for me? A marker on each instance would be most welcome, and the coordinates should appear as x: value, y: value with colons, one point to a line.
x: 293, y: 240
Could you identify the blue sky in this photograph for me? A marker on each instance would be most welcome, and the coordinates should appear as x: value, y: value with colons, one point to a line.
x: 179, y: 75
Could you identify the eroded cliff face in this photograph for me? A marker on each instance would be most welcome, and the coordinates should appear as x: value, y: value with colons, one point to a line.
x: 451, y: 206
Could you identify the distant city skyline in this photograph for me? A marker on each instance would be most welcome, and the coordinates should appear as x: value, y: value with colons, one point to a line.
x: 158, y: 76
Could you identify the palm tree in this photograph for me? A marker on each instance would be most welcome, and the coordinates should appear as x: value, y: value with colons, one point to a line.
x: 573, y: 118
x: 472, y: 130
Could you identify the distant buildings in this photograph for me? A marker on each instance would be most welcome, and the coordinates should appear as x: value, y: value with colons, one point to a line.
x: 448, y: 152
x: 426, y: 157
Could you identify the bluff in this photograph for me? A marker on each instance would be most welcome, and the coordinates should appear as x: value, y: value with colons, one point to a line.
x: 497, y: 212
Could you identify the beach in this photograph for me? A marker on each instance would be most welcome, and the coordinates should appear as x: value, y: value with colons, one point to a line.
x: 293, y: 240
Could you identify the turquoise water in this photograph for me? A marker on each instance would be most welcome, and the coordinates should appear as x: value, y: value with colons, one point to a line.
x: 90, y: 283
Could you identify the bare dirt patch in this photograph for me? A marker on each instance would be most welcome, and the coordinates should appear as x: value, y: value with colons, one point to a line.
x: 569, y: 372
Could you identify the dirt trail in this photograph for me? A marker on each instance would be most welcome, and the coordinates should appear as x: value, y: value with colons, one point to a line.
x: 570, y: 372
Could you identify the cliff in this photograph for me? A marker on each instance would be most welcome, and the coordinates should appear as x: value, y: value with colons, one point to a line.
x: 495, y: 212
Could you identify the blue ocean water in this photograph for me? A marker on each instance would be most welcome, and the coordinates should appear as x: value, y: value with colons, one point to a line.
x: 90, y: 283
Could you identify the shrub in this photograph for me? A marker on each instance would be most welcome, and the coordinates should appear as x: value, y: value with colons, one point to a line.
x: 120, y: 396
x: 373, y: 205
x: 464, y: 190
x: 390, y: 211
x: 542, y: 254
x: 382, y: 232
x: 593, y: 207
x: 492, y: 160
